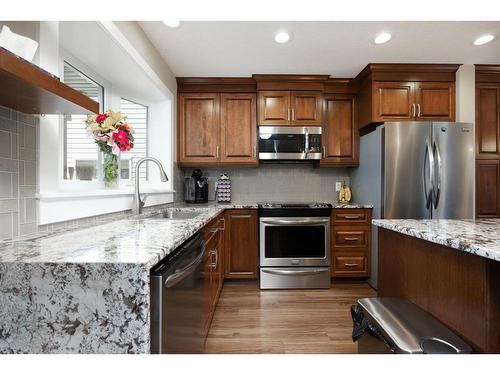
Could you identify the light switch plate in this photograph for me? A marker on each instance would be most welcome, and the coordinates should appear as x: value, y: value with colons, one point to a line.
x: 338, y: 186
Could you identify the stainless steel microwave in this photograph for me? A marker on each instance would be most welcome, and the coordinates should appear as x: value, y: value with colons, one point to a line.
x: 289, y: 142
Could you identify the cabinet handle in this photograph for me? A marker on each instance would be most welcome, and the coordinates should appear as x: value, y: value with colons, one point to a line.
x: 350, y: 265
x: 293, y: 114
x: 216, y: 262
x: 352, y: 217
x: 413, y: 110
x: 254, y: 151
x: 242, y: 216
x: 324, y: 152
x: 418, y: 112
x: 217, y: 152
x: 350, y: 239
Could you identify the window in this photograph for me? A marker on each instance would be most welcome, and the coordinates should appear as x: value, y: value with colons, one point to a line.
x: 137, y: 117
x: 81, y: 156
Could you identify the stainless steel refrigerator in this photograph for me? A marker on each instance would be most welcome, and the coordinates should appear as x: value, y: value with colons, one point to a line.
x: 416, y: 170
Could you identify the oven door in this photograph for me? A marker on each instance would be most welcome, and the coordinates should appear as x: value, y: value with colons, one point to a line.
x: 294, y: 241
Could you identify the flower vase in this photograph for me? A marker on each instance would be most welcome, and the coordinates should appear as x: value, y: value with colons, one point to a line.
x: 111, y: 170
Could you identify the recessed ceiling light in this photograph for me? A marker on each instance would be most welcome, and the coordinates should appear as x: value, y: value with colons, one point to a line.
x: 282, y: 37
x: 483, y: 39
x: 172, y: 23
x: 382, y: 38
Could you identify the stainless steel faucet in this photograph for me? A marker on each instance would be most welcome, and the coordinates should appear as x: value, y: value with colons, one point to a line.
x: 138, y: 203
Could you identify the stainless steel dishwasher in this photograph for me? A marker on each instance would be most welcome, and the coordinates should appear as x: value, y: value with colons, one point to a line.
x: 177, y: 296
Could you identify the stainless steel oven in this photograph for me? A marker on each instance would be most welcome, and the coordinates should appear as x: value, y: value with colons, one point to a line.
x: 289, y: 143
x: 294, y: 246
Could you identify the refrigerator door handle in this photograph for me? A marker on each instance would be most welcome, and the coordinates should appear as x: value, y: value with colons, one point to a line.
x: 437, y: 188
x: 428, y: 191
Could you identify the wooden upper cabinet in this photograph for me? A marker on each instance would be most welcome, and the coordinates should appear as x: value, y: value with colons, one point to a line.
x: 393, y: 101
x: 217, y: 129
x: 241, y: 244
x: 435, y: 101
x: 274, y: 107
x: 340, y: 133
x: 414, y: 101
x: 198, y: 128
x: 405, y: 92
x: 487, y: 119
x: 306, y: 108
x: 282, y: 107
x: 238, y: 129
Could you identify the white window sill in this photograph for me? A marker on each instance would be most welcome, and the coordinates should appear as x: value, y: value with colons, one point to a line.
x: 69, y: 205
x: 126, y: 190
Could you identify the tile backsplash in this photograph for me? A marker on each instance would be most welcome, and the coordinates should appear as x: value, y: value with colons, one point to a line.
x: 18, y: 173
x: 279, y: 182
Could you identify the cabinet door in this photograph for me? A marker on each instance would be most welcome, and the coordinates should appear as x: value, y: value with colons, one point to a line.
x: 393, y: 101
x: 274, y: 107
x: 306, y: 108
x: 487, y: 188
x: 340, y: 133
x: 241, y: 244
x: 198, y: 128
x: 435, y: 101
x: 238, y: 129
x: 487, y: 119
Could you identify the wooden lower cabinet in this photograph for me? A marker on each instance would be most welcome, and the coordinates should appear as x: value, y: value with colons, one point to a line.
x: 213, y: 234
x: 350, y: 239
x: 241, y: 244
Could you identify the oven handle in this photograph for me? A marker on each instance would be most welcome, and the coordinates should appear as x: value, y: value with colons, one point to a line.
x: 301, y: 221
x: 313, y: 271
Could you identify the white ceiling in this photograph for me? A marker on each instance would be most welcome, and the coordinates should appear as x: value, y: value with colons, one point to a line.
x: 341, y: 49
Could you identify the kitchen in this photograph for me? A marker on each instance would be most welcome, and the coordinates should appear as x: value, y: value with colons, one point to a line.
x: 278, y: 205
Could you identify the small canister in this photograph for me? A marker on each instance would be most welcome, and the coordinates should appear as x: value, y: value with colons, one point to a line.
x: 224, y: 189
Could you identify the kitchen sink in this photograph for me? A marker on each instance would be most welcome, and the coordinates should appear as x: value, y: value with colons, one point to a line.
x: 177, y: 215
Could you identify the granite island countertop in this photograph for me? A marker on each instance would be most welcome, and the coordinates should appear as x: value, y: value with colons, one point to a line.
x: 87, y: 290
x: 480, y: 237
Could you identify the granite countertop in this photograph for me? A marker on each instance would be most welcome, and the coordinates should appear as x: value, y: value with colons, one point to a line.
x: 138, y: 239
x: 480, y: 237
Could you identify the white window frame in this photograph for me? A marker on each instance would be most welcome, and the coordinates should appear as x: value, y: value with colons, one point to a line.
x: 79, y: 185
x: 61, y: 200
x: 148, y: 140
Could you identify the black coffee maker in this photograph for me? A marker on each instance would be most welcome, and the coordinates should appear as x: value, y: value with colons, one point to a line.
x: 196, y: 188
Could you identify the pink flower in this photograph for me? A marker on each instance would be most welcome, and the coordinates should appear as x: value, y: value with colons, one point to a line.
x: 115, y: 150
x: 101, y: 117
x: 120, y: 136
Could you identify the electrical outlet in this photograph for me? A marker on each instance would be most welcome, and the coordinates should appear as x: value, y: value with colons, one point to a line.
x: 338, y: 186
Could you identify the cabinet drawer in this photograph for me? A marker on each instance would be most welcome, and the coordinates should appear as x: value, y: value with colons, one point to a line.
x: 350, y: 238
x: 355, y: 216
x: 343, y: 264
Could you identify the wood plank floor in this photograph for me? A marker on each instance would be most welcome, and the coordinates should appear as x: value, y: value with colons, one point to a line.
x: 248, y: 320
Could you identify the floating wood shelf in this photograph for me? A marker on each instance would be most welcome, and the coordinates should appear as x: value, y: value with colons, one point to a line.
x: 29, y: 89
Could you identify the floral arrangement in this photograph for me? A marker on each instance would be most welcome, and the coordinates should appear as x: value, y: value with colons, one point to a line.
x: 113, y: 135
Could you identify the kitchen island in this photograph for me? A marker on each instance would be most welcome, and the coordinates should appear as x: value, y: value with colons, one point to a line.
x: 450, y: 268
x: 87, y: 290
